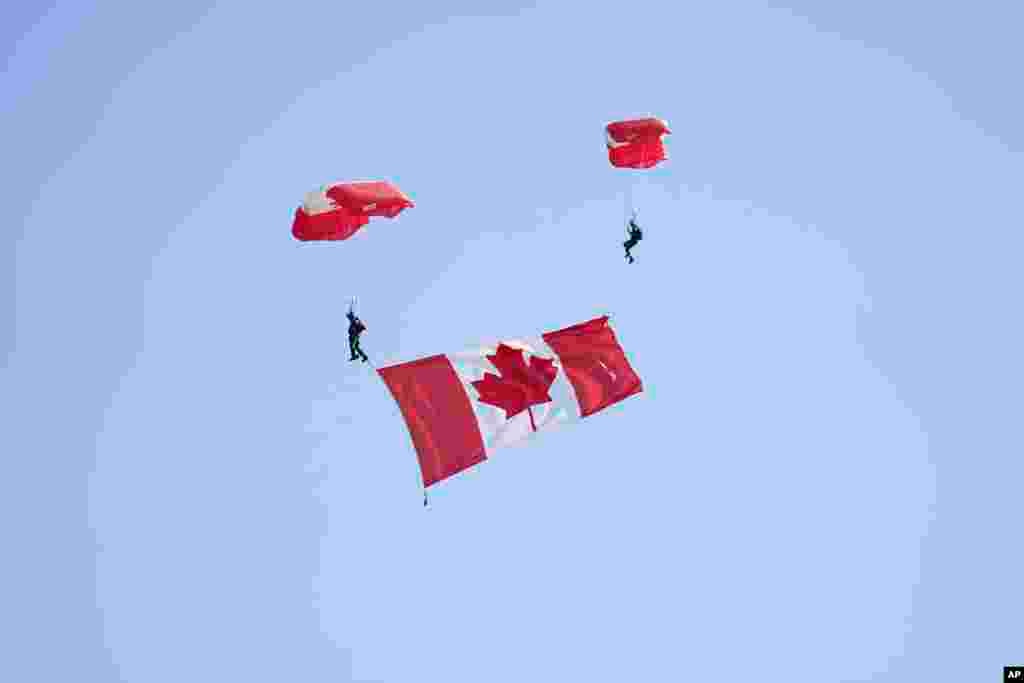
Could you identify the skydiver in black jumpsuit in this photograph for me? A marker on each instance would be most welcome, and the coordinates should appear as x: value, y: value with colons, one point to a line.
x: 355, y: 328
x: 635, y: 235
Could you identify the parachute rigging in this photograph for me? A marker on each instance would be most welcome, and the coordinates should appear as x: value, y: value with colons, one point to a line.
x: 636, y: 144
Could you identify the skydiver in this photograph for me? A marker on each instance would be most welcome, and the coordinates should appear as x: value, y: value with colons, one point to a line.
x: 355, y: 328
x: 635, y: 235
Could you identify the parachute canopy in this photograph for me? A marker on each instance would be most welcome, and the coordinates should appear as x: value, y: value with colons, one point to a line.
x: 338, y: 210
x: 636, y: 143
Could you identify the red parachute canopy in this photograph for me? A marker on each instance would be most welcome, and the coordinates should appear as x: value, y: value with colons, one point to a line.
x: 338, y: 210
x: 636, y: 143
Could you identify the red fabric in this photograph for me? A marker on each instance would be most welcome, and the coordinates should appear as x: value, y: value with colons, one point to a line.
x: 332, y: 225
x: 438, y: 414
x: 624, y: 131
x: 639, y: 154
x: 595, y: 364
x: 518, y: 386
x: 642, y: 148
x: 373, y: 198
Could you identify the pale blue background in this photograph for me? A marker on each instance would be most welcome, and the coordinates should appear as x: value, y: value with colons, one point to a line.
x: 821, y: 483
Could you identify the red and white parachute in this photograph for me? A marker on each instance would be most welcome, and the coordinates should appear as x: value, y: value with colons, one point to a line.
x: 636, y: 144
x: 338, y: 210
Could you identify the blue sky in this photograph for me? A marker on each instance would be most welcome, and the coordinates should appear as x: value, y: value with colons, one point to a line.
x: 821, y: 480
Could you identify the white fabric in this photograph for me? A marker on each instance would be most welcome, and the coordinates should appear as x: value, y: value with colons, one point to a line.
x: 318, y: 202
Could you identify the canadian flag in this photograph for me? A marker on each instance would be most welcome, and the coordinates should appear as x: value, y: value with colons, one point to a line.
x: 460, y: 407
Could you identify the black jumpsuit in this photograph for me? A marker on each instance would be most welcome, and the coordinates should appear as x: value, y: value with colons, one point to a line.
x: 635, y: 235
x: 355, y: 328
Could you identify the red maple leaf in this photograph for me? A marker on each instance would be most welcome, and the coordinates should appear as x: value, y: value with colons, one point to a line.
x: 520, y: 385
